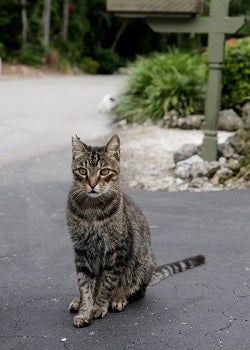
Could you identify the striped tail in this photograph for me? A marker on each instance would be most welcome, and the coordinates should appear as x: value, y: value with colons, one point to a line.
x: 166, y: 270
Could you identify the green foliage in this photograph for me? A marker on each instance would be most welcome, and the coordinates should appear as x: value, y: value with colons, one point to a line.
x: 245, y: 31
x: 31, y: 54
x: 35, y: 24
x: 245, y: 161
x: 10, y: 26
x: 108, y: 61
x: 2, y: 51
x: 92, y: 29
x: 67, y: 49
x: 63, y: 65
x: 89, y: 65
x: 161, y: 83
x: 236, y: 73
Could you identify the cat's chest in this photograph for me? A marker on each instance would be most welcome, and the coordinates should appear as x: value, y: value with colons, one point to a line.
x: 91, y: 244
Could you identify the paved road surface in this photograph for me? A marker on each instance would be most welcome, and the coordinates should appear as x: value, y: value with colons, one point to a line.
x: 39, y: 115
x: 202, y: 309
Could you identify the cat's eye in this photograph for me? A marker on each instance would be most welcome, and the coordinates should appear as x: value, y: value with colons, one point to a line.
x: 104, y: 171
x: 82, y: 171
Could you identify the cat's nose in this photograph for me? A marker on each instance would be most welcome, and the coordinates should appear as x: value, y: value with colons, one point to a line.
x: 92, y: 185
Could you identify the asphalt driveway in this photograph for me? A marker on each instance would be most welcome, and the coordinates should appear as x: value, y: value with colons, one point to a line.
x: 205, y: 308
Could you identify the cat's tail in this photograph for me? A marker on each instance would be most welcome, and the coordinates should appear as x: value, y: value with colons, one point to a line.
x: 166, y: 270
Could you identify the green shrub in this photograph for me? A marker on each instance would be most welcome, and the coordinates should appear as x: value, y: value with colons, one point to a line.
x: 31, y: 54
x: 108, y: 60
x: 63, y: 65
x: 161, y: 83
x: 89, y: 65
x: 236, y: 72
x: 67, y: 49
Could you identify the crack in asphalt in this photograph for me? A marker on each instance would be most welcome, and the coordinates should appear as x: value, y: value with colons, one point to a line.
x: 232, y: 321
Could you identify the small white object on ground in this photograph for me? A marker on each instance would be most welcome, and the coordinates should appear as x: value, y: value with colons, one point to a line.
x: 106, y: 104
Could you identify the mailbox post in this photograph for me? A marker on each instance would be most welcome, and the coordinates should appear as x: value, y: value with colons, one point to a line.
x: 179, y: 16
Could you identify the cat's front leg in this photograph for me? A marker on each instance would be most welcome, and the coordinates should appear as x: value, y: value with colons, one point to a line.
x: 86, y: 287
x: 108, y: 283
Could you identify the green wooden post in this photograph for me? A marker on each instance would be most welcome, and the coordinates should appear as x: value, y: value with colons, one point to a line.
x: 216, y: 45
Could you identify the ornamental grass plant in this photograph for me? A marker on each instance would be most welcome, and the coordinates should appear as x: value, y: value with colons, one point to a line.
x: 161, y: 83
x: 164, y: 82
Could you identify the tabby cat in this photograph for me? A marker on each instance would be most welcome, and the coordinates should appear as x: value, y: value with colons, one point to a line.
x: 110, y: 236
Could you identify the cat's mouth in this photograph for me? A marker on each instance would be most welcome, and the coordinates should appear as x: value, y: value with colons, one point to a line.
x: 93, y: 194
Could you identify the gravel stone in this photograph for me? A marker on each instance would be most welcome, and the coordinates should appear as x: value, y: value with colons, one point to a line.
x: 186, y: 151
x: 147, y: 161
x: 229, y: 120
x: 183, y: 170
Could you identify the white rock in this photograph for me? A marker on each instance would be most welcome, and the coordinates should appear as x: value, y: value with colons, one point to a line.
x: 212, y: 167
x: 229, y: 120
x: 122, y: 123
x: 199, y: 169
x: 183, y: 170
x: 186, y: 151
x: 226, y: 150
x: 179, y: 181
x: 191, y: 160
x: 190, y: 122
x: 233, y: 163
x: 198, y: 182
x: 222, y: 161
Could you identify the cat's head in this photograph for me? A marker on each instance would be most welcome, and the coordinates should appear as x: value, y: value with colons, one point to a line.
x: 96, y: 169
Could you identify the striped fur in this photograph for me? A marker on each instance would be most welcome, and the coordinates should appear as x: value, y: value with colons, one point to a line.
x: 110, y: 236
x: 166, y: 270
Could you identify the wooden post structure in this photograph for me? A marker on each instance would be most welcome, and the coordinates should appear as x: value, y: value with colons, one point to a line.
x: 179, y: 16
x: 216, y: 45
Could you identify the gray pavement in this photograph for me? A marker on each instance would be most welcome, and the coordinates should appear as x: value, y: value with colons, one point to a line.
x: 39, y: 115
x: 205, y: 308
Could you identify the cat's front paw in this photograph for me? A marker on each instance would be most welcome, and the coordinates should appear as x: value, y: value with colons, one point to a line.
x: 100, y: 311
x: 74, y: 305
x: 82, y: 320
x: 119, y: 305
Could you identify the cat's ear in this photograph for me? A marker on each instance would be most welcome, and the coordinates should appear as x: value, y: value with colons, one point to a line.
x: 78, y: 147
x: 113, y: 147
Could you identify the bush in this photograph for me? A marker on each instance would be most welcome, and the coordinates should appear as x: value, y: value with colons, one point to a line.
x: 108, y: 60
x: 161, y: 83
x: 63, y: 65
x: 31, y: 54
x: 236, y: 72
x: 89, y: 65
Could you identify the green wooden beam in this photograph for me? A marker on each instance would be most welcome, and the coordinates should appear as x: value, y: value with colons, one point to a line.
x: 156, y: 6
x: 227, y: 25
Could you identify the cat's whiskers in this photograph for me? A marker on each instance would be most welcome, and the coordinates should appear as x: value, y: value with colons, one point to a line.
x: 76, y: 195
x: 111, y: 191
